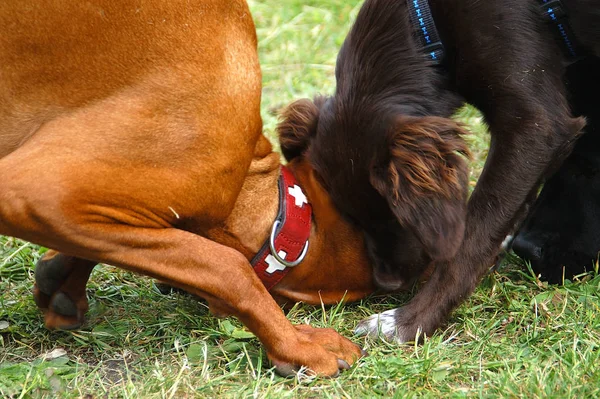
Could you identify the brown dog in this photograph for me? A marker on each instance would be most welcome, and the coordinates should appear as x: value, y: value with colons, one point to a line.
x: 131, y: 135
x: 388, y: 153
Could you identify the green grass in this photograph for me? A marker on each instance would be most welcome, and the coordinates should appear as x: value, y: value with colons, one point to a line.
x: 515, y: 337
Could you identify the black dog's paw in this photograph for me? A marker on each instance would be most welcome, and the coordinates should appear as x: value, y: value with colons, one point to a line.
x: 389, y: 326
x: 554, y: 260
x: 379, y: 325
x: 168, y: 289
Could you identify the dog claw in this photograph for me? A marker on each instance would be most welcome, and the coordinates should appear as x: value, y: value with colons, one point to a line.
x: 63, y: 305
x: 285, y: 369
x: 289, y: 370
x: 343, y: 365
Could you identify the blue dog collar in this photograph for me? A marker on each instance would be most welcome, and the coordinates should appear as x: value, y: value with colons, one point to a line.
x: 425, y: 30
x: 556, y: 14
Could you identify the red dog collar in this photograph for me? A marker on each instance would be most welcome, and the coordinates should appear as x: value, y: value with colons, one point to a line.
x: 288, y: 243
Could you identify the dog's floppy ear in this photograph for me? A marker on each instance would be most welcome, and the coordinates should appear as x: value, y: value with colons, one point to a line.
x: 298, y: 125
x: 422, y: 172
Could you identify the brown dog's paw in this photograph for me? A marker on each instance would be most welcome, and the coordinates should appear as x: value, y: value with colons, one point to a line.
x: 50, y: 273
x: 59, y: 289
x: 321, y: 351
x: 57, y: 321
x: 60, y: 311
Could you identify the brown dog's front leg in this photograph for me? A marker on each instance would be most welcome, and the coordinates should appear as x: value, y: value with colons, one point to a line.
x: 208, y: 269
x: 204, y: 267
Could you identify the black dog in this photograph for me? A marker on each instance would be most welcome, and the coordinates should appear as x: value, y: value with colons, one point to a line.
x: 383, y: 146
x: 563, y: 228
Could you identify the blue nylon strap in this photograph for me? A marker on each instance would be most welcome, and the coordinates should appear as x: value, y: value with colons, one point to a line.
x: 425, y: 30
x: 556, y: 14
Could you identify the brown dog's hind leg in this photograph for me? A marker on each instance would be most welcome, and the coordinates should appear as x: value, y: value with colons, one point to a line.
x: 59, y: 289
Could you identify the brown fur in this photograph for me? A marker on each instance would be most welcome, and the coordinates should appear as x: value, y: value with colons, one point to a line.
x: 131, y: 135
x: 425, y: 159
x: 299, y: 121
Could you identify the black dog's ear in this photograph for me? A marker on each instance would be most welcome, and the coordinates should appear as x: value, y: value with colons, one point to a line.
x: 298, y: 125
x: 423, y: 174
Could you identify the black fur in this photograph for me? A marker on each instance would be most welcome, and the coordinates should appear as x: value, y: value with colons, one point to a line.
x: 563, y: 227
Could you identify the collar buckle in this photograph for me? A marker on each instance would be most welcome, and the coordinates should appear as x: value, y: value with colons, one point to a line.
x: 554, y: 9
x: 275, y: 254
x: 289, y: 235
x: 434, y: 52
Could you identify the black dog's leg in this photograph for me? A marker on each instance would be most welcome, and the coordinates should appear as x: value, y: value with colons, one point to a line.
x: 561, y: 235
x: 519, y: 88
x: 510, y: 175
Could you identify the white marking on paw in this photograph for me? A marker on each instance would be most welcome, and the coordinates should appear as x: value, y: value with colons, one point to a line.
x: 507, y: 241
x: 383, y: 324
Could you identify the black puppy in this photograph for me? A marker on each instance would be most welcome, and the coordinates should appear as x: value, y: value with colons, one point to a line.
x: 561, y: 235
x: 388, y: 154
